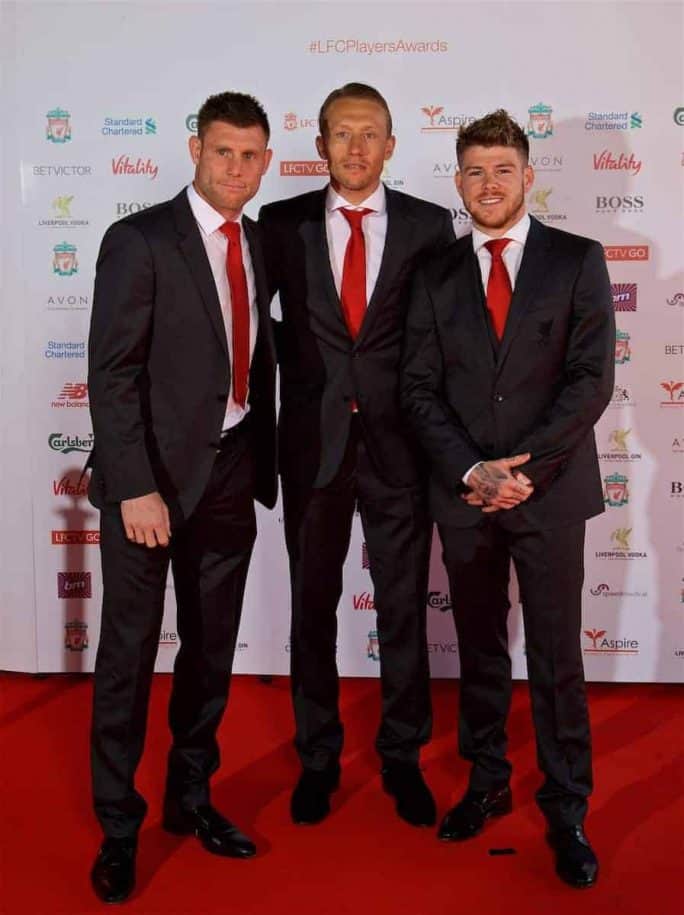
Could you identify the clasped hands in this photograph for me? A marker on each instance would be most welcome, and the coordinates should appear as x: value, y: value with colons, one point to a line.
x: 496, y: 485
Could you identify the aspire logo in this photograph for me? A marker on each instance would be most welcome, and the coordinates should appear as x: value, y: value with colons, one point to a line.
x: 600, y: 644
x: 675, y: 391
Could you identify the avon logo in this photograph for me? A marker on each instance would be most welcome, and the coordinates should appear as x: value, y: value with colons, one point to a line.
x: 124, y: 165
x: 606, y: 161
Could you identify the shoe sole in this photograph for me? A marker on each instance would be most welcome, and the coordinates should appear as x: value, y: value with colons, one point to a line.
x: 177, y: 829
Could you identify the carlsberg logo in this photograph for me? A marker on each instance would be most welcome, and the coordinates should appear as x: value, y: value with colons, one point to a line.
x: 68, y: 443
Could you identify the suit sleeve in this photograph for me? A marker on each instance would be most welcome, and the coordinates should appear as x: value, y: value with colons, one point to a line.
x: 269, y: 244
x: 588, y: 376
x: 438, y: 430
x: 120, y: 331
x: 447, y: 235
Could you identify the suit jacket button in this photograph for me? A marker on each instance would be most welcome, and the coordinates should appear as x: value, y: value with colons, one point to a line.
x: 499, y: 398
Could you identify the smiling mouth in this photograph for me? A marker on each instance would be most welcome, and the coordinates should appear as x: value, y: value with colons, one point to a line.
x: 490, y: 201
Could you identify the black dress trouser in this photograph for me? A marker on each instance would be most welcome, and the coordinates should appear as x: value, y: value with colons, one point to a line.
x: 550, y: 568
x: 318, y: 526
x: 209, y: 556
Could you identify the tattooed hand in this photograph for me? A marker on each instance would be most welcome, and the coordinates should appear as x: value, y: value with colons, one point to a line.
x: 494, y: 485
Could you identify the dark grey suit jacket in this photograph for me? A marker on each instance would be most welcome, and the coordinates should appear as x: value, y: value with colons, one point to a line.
x: 159, y: 371
x: 541, y: 390
x: 322, y: 370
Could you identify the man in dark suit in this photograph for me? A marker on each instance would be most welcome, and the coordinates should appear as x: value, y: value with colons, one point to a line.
x: 509, y: 350
x: 181, y: 381
x: 340, y: 258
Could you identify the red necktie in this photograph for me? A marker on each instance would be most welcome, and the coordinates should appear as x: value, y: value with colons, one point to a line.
x: 239, y: 304
x: 498, y: 286
x: 353, y: 292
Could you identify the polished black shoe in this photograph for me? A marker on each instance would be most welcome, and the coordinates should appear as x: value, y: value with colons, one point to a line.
x: 217, y: 834
x: 576, y: 862
x: 310, y: 801
x: 414, y: 801
x: 113, y: 874
x: 468, y: 817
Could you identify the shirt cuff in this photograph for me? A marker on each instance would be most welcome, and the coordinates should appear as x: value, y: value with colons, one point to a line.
x: 465, y: 476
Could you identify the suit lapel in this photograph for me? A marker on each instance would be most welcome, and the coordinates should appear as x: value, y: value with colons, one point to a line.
x: 470, y: 299
x: 314, y: 235
x: 399, y: 227
x: 193, y: 250
x: 261, y: 284
x: 526, y: 284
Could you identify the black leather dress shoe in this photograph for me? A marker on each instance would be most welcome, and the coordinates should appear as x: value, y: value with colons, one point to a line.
x: 310, y: 801
x: 468, y: 817
x: 576, y: 862
x: 113, y: 874
x: 413, y: 798
x: 217, y: 834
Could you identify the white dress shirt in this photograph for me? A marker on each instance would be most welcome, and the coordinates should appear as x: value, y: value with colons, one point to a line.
x: 215, y: 242
x: 511, y: 256
x: 512, y: 253
x: 374, y: 228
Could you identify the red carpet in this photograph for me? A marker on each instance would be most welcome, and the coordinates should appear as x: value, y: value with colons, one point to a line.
x: 362, y: 859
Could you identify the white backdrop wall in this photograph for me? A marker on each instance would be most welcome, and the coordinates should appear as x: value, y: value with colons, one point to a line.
x: 100, y: 99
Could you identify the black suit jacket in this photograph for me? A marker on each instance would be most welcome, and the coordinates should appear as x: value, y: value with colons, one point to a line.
x: 159, y: 371
x: 322, y: 370
x: 541, y: 389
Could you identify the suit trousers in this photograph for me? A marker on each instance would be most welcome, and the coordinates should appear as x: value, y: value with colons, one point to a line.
x: 550, y: 568
x: 318, y: 524
x: 209, y: 556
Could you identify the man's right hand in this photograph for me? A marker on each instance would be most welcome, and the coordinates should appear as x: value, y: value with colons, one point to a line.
x: 493, y: 483
x: 146, y: 520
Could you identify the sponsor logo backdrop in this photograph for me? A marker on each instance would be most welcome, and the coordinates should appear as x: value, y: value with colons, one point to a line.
x: 94, y: 142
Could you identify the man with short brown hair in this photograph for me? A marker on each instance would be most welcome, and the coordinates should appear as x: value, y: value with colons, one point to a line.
x: 509, y: 351
x: 181, y: 380
x: 341, y: 258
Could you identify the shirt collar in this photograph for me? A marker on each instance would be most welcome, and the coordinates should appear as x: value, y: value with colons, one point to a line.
x: 517, y: 233
x: 209, y: 219
x: 376, y: 202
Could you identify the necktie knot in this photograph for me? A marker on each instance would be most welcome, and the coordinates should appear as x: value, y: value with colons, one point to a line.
x: 232, y: 232
x: 496, y: 246
x: 355, y: 217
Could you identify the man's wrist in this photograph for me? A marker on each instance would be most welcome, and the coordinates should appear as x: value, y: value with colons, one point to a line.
x: 466, y: 475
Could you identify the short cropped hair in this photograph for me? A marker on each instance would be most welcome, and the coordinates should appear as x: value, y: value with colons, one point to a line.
x: 353, y: 90
x: 495, y: 129
x: 236, y: 108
